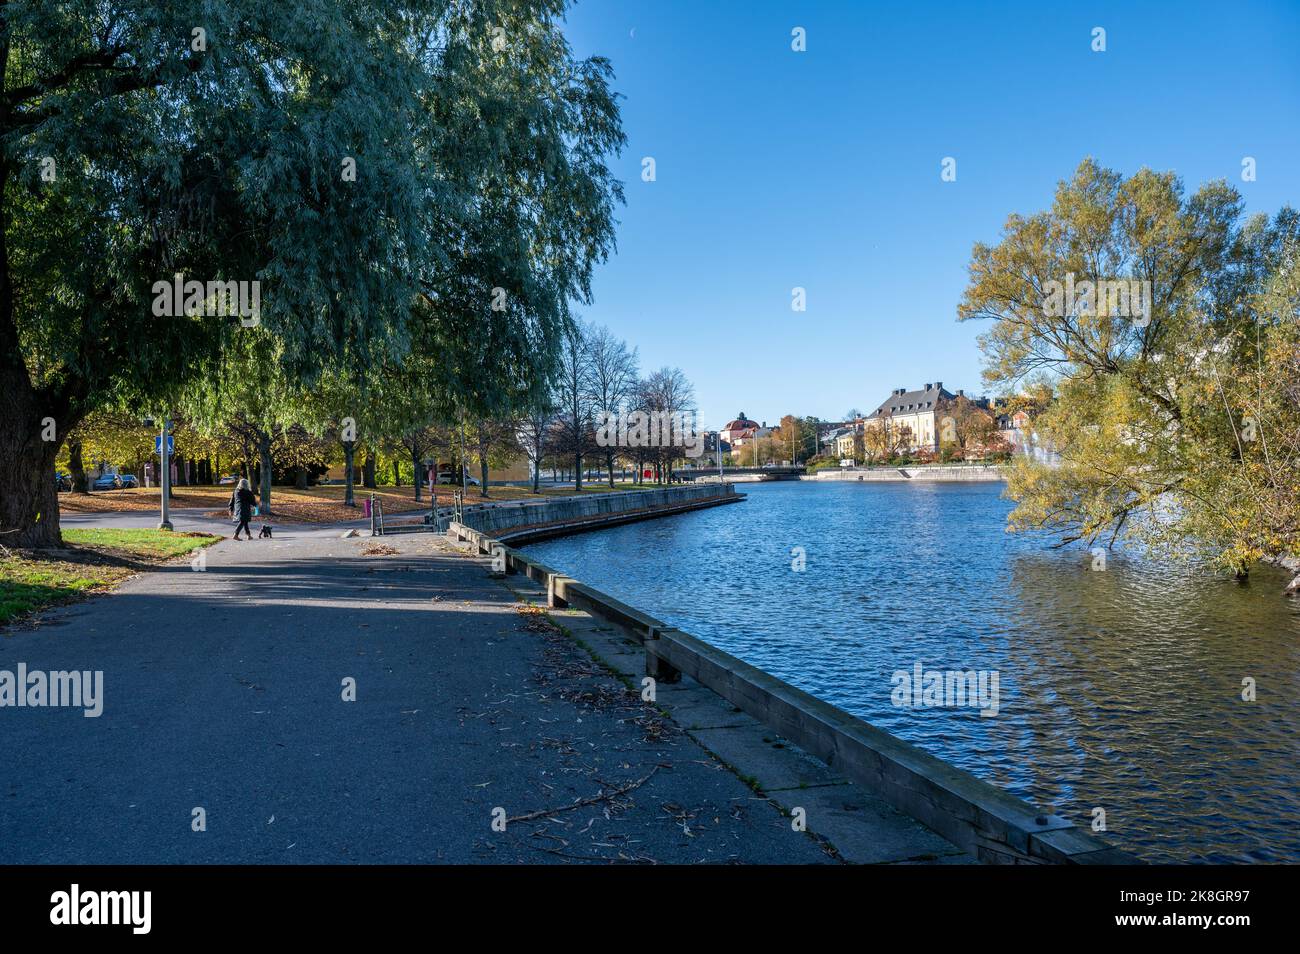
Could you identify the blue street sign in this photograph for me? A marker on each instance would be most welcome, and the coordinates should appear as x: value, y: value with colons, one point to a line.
x: 171, y: 444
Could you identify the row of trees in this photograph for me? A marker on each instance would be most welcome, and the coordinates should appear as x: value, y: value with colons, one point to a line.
x: 600, y: 377
x: 419, y: 188
x: 255, y: 424
x: 1178, y: 425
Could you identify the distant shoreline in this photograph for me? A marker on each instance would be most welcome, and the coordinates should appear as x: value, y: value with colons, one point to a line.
x: 957, y: 473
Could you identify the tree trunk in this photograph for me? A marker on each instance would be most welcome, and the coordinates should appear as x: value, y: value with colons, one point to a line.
x: 368, y: 471
x: 349, y: 500
x: 397, y: 475
x: 29, y: 500
x: 300, y: 477
x: 609, y: 466
x: 77, y: 468
x: 264, y: 455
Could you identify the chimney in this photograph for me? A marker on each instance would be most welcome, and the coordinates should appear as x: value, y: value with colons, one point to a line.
x: 938, y: 385
x: 961, y: 393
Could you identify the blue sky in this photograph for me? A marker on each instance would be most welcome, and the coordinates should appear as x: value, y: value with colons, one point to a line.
x: 821, y: 169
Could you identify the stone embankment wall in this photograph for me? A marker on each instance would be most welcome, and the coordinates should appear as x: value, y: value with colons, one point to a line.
x: 537, y: 519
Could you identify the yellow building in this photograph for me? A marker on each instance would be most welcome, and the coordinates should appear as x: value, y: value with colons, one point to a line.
x: 848, y: 446
x: 911, y: 421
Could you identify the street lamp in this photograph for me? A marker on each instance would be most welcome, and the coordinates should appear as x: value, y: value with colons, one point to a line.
x: 165, y: 454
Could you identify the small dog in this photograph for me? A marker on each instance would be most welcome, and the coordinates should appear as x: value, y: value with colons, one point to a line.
x: 266, y: 533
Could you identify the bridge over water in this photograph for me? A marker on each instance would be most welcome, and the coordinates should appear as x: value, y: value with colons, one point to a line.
x: 766, y: 473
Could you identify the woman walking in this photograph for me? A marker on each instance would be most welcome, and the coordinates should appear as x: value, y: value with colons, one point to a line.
x: 241, y: 508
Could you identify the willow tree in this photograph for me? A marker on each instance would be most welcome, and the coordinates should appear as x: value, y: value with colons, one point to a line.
x: 248, y: 399
x: 352, y: 157
x: 1144, y: 308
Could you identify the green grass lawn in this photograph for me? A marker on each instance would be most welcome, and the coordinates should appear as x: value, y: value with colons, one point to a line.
x: 93, y: 559
x: 155, y: 544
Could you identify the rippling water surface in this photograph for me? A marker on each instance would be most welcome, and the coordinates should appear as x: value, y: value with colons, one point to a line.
x: 1118, y: 689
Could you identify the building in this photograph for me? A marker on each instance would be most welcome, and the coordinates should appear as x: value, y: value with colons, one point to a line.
x: 736, y: 429
x: 742, y: 435
x: 847, y: 441
x: 1017, y: 431
x: 1014, y: 428
x: 708, y: 459
x: 909, y: 421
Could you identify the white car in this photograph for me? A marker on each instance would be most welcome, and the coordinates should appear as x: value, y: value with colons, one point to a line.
x: 451, y: 479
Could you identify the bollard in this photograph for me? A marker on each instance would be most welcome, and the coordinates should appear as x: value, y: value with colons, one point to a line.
x: 553, y: 598
x: 658, y: 669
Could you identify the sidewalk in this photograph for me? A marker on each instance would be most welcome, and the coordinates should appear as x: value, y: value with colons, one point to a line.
x: 223, y: 692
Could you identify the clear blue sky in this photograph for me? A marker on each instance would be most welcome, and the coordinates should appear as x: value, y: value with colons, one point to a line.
x: 821, y: 169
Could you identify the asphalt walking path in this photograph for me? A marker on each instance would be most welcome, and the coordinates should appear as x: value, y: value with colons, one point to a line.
x: 224, y: 693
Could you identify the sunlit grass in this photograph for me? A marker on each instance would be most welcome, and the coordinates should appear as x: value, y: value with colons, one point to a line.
x: 158, y: 544
x: 94, y: 559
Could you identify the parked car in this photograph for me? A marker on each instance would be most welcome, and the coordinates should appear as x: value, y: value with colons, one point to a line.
x: 107, y: 482
x: 227, y: 481
x: 62, y: 482
x: 128, y: 480
x: 445, y: 478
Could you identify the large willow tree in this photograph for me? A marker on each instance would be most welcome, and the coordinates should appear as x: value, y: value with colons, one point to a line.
x: 395, y: 174
x: 1177, y: 421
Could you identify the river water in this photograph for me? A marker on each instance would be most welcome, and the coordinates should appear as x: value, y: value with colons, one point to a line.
x: 1118, y: 689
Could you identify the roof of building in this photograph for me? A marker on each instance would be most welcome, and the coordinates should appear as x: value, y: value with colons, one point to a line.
x: 740, y: 423
x: 903, y: 401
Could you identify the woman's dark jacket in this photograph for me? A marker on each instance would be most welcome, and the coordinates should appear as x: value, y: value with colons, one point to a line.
x: 241, y: 505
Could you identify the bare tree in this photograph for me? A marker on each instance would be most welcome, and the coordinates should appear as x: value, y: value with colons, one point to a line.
x: 670, y: 400
x: 613, y: 379
x: 574, y: 399
x: 535, y: 432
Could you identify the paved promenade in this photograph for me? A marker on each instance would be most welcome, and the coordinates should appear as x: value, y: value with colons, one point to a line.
x: 223, y: 691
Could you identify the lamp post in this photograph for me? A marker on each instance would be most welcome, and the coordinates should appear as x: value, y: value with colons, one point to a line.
x: 164, y: 455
